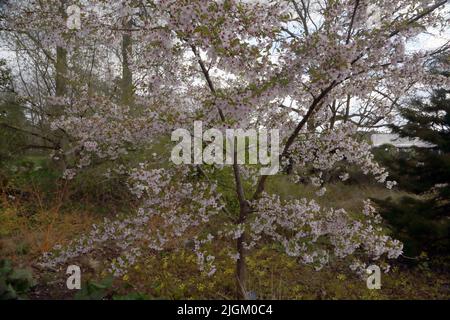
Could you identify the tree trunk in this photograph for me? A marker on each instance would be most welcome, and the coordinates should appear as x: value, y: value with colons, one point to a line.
x: 347, y: 109
x: 60, y: 91
x: 241, y: 267
x: 127, y: 76
x: 333, y: 117
x: 61, y: 60
x: 61, y: 71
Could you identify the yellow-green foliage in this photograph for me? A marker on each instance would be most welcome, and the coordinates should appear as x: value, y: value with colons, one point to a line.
x: 25, y: 236
x: 272, y: 275
x: 173, y: 274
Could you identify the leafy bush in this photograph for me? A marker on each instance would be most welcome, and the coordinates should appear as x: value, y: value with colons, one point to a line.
x: 14, y: 283
x: 92, y: 290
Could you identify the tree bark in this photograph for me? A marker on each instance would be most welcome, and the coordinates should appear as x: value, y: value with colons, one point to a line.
x: 127, y: 75
x: 347, y: 109
x: 241, y: 269
x: 61, y: 71
x: 60, y: 91
x: 241, y: 266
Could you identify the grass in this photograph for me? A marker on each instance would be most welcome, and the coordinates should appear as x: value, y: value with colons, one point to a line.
x: 339, y: 195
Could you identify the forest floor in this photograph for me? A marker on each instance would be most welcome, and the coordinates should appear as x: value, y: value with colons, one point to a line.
x: 29, y: 227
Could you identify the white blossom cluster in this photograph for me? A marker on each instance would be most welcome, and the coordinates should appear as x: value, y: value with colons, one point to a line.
x: 323, y: 151
x: 313, y: 234
x: 171, y: 207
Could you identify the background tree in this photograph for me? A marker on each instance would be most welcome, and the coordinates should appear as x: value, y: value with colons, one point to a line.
x: 423, y: 223
x: 12, y: 119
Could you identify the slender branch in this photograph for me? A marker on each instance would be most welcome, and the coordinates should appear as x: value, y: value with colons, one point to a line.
x: 421, y: 15
x: 352, y: 22
x: 289, y: 108
x: 27, y: 132
x: 237, y: 175
x: 262, y: 180
x: 32, y: 146
x: 207, y: 77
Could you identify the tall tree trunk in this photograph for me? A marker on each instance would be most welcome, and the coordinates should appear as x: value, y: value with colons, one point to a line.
x: 61, y: 90
x: 127, y: 76
x: 241, y: 267
x: 334, y: 113
x: 61, y: 71
x: 61, y: 59
x: 347, y: 109
x: 244, y: 210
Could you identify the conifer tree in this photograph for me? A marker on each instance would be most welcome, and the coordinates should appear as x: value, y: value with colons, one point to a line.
x: 422, y: 222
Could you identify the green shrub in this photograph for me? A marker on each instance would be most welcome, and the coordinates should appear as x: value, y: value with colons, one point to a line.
x: 14, y: 283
